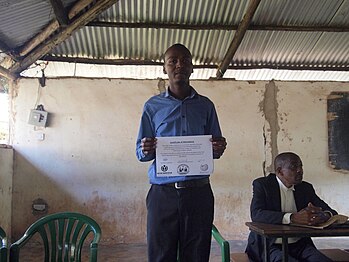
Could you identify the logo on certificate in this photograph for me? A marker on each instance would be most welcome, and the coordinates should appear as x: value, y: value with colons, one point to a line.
x: 164, y: 168
x: 204, y: 167
x: 183, y: 169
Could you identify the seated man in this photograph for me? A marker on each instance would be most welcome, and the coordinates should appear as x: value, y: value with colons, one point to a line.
x: 283, y: 198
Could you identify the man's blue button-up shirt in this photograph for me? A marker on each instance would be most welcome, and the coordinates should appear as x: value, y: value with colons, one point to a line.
x: 163, y: 115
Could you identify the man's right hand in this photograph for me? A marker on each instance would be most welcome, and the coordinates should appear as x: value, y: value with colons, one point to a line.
x: 148, y: 145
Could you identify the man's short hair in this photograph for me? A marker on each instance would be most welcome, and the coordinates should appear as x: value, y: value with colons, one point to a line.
x: 283, y: 158
x: 177, y: 45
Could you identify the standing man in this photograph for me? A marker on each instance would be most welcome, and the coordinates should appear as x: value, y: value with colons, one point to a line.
x: 284, y: 198
x: 180, y: 208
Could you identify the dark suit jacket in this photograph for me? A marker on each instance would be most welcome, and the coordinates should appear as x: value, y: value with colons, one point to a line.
x: 266, y: 208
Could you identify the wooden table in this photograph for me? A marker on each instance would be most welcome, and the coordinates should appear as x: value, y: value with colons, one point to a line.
x: 286, y: 231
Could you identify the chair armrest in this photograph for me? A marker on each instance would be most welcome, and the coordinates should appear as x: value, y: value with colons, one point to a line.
x: 224, y: 244
x: 15, y: 247
x: 3, y: 245
x: 3, y: 253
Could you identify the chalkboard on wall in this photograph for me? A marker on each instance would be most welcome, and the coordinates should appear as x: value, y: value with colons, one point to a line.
x: 338, y: 129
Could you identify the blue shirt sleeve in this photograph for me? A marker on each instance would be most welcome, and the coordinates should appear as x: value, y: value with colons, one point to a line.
x: 145, y: 130
x: 213, y: 124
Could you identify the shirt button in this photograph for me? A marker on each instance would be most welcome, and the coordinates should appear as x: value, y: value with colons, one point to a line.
x: 183, y: 116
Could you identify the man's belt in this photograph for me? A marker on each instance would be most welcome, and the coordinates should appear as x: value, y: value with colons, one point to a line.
x: 189, y: 183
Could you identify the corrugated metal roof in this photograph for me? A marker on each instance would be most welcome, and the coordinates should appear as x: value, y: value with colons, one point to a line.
x: 210, y: 46
x: 175, y: 11
x: 302, y: 12
x: 294, y: 48
x: 22, y: 19
x: 145, y: 43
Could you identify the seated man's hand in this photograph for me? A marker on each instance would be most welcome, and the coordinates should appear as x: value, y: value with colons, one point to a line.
x: 311, y: 215
x: 320, y: 217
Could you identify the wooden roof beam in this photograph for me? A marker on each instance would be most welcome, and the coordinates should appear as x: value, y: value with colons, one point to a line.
x: 60, y: 12
x: 222, y: 27
x: 239, y: 35
x: 138, y: 62
x: 46, y: 47
x: 52, y: 27
x: 7, y: 74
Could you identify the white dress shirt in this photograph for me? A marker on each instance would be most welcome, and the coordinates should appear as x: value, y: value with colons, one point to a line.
x: 288, y: 205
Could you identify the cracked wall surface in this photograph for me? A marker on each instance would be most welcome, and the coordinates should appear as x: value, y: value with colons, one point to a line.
x: 269, y: 107
x: 87, y: 163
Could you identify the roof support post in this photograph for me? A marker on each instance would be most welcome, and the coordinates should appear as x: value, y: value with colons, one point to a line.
x: 59, y: 10
x: 239, y: 35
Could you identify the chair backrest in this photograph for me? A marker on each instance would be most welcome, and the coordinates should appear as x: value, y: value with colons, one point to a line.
x: 63, y: 235
x: 3, y: 246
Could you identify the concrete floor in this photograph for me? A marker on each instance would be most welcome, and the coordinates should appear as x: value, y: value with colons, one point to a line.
x: 120, y: 253
x: 137, y: 252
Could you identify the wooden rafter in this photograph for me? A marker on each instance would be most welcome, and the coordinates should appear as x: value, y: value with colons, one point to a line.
x: 60, y: 12
x: 101, y: 61
x: 6, y: 73
x: 153, y: 63
x: 52, y: 27
x: 299, y: 28
x: 219, y: 27
x: 47, y: 46
x: 239, y: 35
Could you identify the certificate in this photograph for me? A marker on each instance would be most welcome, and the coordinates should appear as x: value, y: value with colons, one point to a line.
x: 184, y: 156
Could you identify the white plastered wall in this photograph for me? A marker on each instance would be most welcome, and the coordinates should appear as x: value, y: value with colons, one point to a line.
x: 303, y: 129
x: 6, y: 175
x: 87, y: 162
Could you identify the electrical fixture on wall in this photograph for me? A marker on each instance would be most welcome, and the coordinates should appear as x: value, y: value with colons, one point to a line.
x: 38, y: 116
x: 39, y: 207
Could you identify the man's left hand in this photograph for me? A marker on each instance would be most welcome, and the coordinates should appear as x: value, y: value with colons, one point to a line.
x: 219, y: 144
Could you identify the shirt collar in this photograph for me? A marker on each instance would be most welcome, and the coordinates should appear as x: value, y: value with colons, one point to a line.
x: 283, y: 187
x: 192, y: 93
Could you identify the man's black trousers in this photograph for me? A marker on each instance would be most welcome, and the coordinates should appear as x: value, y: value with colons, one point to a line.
x: 179, y: 220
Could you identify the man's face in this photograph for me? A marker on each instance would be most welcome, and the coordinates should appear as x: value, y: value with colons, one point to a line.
x: 178, y: 64
x: 291, y: 173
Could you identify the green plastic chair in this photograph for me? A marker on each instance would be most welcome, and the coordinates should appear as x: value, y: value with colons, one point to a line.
x: 3, y: 246
x: 223, y: 244
x: 63, y: 236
